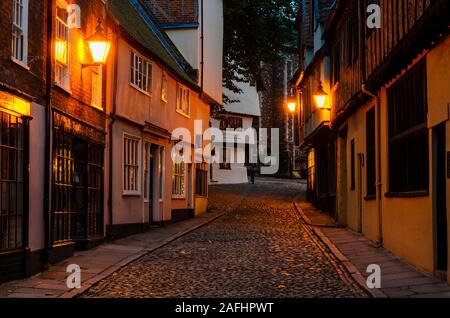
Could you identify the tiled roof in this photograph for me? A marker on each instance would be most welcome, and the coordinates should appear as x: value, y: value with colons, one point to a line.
x: 174, y: 12
x: 150, y: 37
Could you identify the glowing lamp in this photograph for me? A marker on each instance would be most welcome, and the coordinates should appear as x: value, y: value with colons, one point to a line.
x: 291, y: 103
x: 99, y: 45
x: 320, y: 97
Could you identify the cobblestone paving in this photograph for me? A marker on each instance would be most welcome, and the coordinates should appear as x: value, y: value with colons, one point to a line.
x: 259, y: 248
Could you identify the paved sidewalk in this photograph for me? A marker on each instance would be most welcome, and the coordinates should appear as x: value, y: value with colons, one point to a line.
x: 100, y: 262
x: 398, y: 279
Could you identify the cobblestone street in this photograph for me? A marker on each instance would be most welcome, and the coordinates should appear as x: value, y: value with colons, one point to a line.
x: 260, y: 248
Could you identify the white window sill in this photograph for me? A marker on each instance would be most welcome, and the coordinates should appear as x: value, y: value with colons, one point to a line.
x: 178, y: 197
x: 141, y: 90
x: 183, y: 114
x: 131, y: 193
x: 20, y: 63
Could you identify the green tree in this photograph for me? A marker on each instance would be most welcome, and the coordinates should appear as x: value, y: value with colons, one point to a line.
x: 256, y: 32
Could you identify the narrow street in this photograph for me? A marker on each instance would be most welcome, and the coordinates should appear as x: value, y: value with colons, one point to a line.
x: 259, y: 248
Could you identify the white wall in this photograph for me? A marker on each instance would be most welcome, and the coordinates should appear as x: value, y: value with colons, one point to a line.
x: 188, y: 42
x: 238, y: 172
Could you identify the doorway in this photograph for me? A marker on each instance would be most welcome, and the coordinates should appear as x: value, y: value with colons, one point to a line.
x: 440, y: 199
x: 342, y: 177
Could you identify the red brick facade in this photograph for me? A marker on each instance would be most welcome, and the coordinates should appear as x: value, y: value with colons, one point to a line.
x: 17, y: 79
x: 76, y: 101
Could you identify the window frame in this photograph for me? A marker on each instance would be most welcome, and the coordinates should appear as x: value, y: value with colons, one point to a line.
x: 65, y: 67
x: 127, y: 190
x: 411, y: 88
x: 23, y: 29
x: 179, y: 175
x: 97, y: 71
x: 165, y: 87
x: 148, y: 76
x: 182, y: 92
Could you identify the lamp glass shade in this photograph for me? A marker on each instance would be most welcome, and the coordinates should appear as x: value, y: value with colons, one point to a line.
x: 291, y: 106
x: 320, y: 97
x: 99, y: 50
x: 320, y: 100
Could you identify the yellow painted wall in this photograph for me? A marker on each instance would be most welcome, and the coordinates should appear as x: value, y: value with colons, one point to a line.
x: 364, y: 219
x: 407, y: 223
x: 438, y: 67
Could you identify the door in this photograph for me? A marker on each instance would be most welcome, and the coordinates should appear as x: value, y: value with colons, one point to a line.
x: 189, y: 189
x: 440, y: 202
x: 342, y: 184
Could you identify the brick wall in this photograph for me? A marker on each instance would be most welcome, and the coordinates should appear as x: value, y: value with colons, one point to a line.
x: 31, y: 82
x: 173, y: 11
x: 77, y: 101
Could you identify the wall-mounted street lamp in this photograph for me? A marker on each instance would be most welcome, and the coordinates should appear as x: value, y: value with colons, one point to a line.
x: 320, y: 97
x: 99, y: 45
x: 292, y: 103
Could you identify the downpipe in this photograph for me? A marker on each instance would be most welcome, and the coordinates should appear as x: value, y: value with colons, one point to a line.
x: 364, y: 89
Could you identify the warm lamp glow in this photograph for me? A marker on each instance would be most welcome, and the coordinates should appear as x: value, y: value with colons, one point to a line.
x: 292, y: 106
x: 61, y: 51
x: 99, y: 51
x: 320, y: 96
x: 99, y: 45
x: 292, y: 103
x: 320, y: 100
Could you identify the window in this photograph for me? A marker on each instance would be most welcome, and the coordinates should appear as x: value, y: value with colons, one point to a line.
x: 408, y: 133
x: 231, y: 122
x: 12, y: 170
x: 141, y: 73
x: 352, y: 165
x: 20, y: 31
x: 201, y: 179
x: 97, y: 87
x: 183, y: 100
x: 147, y: 173
x: 62, y: 46
x: 130, y: 164
x: 178, y: 178
x: 370, y: 152
x: 164, y: 86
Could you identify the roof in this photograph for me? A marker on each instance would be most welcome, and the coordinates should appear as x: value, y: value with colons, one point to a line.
x: 248, y: 100
x: 149, y: 37
x: 174, y: 13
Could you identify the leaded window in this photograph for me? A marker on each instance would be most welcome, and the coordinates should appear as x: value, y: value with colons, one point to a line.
x: 408, y: 132
x: 12, y: 169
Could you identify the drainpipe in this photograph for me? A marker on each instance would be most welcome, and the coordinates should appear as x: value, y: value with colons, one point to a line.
x: 202, y: 41
x: 378, y: 159
x: 112, y: 118
x: 48, y: 123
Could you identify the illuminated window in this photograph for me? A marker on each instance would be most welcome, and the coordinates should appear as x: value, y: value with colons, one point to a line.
x: 178, y: 178
x: 183, y: 100
x: 97, y: 87
x: 131, y: 165
x: 20, y: 31
x: 141, y: 73
x: 164, y: 86
x: 62, y: 75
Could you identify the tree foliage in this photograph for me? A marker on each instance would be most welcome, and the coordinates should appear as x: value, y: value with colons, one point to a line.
x: 255, y: 33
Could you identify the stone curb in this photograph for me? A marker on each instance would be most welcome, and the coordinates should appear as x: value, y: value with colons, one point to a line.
x: 115, y: 267
x: 349, y: 266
